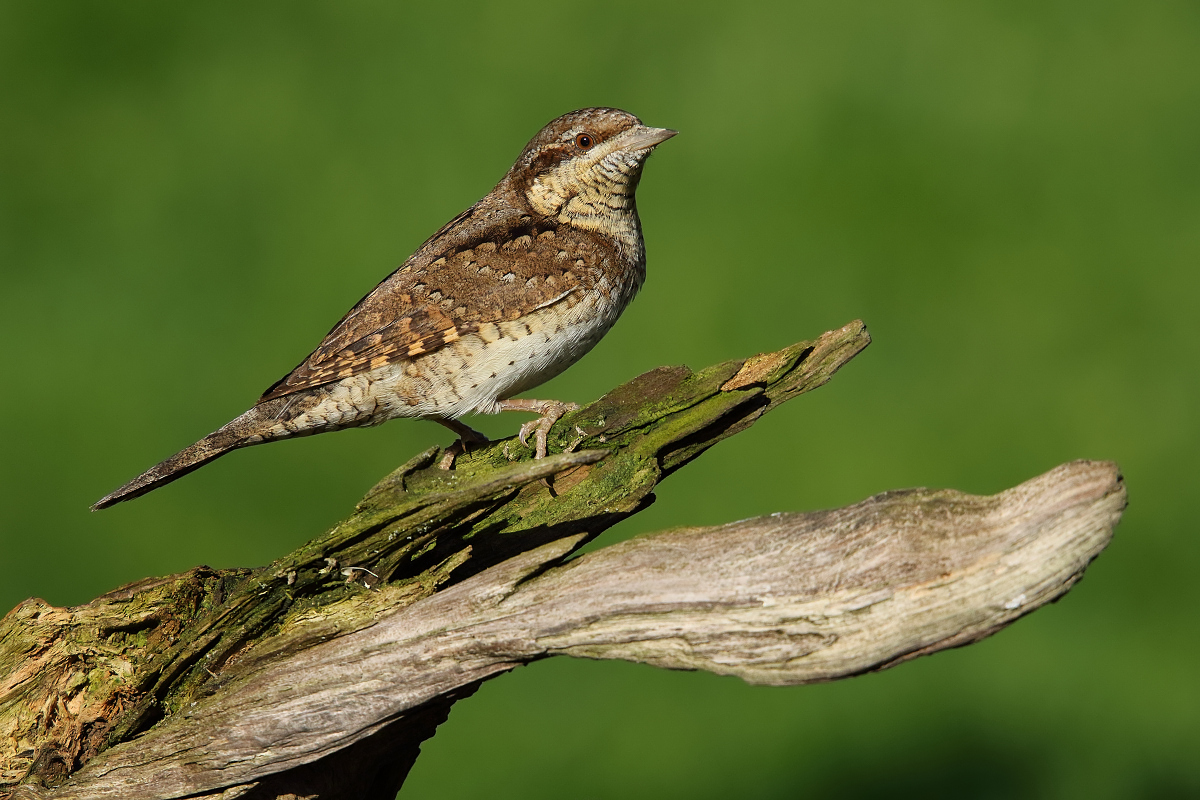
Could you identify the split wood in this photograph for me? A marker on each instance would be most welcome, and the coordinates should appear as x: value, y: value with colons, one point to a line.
x: 320, y: 675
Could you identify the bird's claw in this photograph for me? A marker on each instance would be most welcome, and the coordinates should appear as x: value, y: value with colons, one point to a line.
x: 466, y: 437
x: 526, y: 429
x: 452, y: 452
x: 551, y: 413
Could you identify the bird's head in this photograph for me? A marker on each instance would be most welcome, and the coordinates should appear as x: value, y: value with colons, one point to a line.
x: 582, y: 169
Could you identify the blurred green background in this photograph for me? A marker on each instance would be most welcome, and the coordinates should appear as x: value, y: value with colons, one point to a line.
x: 1007, y: 193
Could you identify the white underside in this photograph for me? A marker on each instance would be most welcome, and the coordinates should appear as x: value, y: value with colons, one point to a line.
x: 473, y: 375
x: 470, y: 375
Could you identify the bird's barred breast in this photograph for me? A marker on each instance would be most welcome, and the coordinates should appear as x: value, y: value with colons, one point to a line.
x: 500, y: 360
x: 469, y: 375
x: 502, y: 298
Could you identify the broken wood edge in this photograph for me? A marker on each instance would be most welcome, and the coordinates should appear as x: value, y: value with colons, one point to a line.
x: 83, y: 679
x: 782, y: 600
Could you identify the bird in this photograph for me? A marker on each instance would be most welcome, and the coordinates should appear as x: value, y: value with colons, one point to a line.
x: 503, y: 297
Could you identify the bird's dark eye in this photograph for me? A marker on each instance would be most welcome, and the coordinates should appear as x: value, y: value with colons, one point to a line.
x: 584, y: 141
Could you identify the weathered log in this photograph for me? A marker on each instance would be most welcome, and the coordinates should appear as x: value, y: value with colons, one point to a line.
x: 320, y: 675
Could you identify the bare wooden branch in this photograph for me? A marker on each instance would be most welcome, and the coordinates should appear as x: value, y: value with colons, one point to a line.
x: 784, y: 599
x: 320, y: 675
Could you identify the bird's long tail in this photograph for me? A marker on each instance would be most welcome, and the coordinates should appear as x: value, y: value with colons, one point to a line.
x: 246, y: 430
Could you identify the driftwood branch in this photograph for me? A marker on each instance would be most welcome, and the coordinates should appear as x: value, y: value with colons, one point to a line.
x: 320, y: 675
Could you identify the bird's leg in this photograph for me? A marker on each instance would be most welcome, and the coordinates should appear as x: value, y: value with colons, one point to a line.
x: 551, y: 411
x: 466, y: 435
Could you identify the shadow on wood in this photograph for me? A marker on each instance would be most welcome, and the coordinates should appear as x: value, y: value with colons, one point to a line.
x: 320, y: 675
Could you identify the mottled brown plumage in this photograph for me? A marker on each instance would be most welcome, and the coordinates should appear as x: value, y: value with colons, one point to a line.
x: 505, y: 296
x: 477, y: 272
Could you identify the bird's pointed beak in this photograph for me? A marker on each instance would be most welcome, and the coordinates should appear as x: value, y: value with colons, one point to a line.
x: 645, y: 138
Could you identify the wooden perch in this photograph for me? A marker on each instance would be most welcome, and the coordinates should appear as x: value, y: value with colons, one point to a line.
x: 320, y: 675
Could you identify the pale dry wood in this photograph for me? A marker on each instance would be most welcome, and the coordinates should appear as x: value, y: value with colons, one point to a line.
x: 76, y: 681
x: 784, y: 599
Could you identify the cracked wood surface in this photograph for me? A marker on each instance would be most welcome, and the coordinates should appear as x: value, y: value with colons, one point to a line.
x: 74, y: 682
x: 282, y: 682
x: 784, y: 599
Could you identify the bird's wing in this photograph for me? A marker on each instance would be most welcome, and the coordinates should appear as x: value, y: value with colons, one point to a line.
x: 450, y: 288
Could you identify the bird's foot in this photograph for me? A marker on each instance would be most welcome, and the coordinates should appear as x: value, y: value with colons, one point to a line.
x: 551, y: 411
x: 451, y: 453
x: 467, y: 436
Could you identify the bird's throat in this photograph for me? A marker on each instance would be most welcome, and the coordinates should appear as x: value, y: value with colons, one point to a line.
x: 596, y: 202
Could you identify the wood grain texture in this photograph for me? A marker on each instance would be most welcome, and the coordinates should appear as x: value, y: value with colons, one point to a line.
x: 320, y: 674
x: 783, y: 599
x: 80, y: 680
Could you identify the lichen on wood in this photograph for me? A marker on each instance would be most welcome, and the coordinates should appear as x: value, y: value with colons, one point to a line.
x: 344, y: 655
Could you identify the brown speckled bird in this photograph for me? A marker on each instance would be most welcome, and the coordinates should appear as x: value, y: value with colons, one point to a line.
x: 504, y: 297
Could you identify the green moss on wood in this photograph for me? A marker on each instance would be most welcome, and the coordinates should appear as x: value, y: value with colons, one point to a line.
x: 143, y: 652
